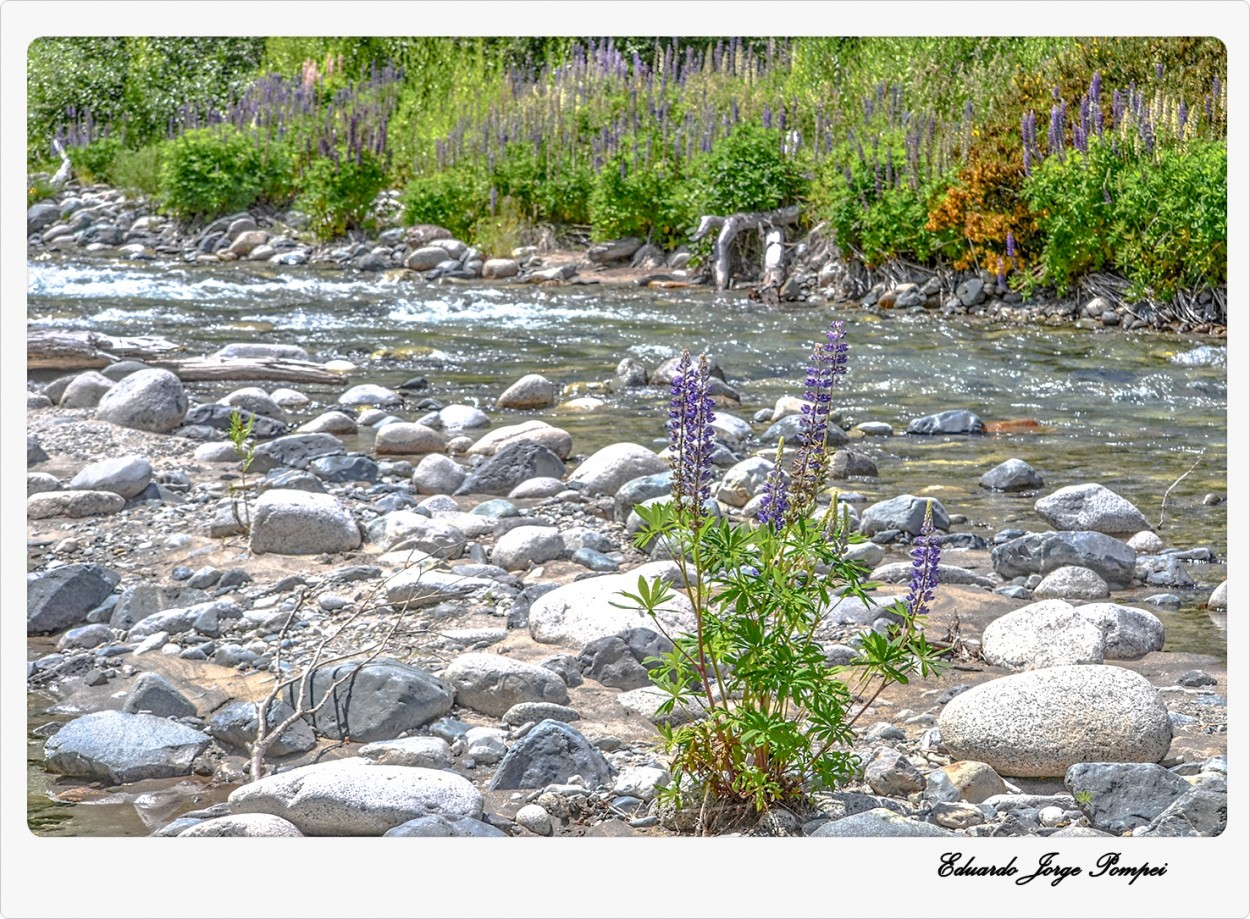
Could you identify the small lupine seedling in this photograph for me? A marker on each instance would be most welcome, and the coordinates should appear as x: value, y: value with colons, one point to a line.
x: 778, y: 718
x: 239, y: 434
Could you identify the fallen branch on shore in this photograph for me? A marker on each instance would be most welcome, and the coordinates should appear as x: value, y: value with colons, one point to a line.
x: 731, y: 226
x: 272, y: 369
x: 59, y: 349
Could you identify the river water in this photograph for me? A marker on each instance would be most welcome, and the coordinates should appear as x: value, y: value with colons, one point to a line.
x: 1133, y: 412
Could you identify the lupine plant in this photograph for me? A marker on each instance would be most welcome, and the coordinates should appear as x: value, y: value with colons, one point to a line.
x: 776, y: 719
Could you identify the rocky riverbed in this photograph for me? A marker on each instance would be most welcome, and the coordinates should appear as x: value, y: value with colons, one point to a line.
x: 449, y: 577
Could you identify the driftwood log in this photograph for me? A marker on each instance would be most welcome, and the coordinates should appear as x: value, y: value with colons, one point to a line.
x: 59, y: 349
x: 51, y: 349
x: 734, y: 224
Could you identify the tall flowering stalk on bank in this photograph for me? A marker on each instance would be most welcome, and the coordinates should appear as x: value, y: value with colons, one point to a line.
x: 778, y: 717
x: 691, y: 438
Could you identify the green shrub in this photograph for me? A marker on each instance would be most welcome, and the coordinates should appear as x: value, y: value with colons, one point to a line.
x: 747, y: 171
x: 500, y: 233
x: 1160, y: 220
x: 338, y: 191
x: 778, y: 719
x: 454, y: 200
x: 211, y: 171
x: 93, y: 162
x: 646, y: 200
x: 138, y: 170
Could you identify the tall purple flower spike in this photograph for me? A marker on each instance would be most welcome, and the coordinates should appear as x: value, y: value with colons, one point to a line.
x: 812, y: 459
x: 691, y: 438
x: 925, y: 556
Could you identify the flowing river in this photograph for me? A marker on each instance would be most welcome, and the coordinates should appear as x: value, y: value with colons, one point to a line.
x: 1134, y: 412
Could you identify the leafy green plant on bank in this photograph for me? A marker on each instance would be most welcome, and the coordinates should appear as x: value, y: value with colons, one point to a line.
x: 239, y: 434
x: 454, y: 200
x: 645, y: 199
x: 748, y: 171
x: 211, y: 171
x: 778, y: 719
x: 337, y: 192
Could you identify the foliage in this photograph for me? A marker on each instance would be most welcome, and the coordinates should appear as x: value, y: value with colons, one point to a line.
x: 747, y: 171
x: 498, y: 234
x: 338, y: 192
x: 40, y: 189
x: 138, y: 170
x: 92, y: 162
x: 211, y: 171
x: 240, y: 436
x: 1160, y: 221
x: 454, y: 200
x: 778, y: 717
x: 639, y: 199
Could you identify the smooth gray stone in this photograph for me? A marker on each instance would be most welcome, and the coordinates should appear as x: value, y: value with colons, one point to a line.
x: 954, y: 421
x: 380, y: 701
x: 1041, y: 553
x: 1123, y: 796
x: 434, y: 825
x: 62, y: 597
x: 1197, y: 812
x: 550, y: 754
x: 152, y: 693
x: 220, y: 418
x: 236, y: 724
x: 511, y: 466
x: 121, y: 747
x: 878, y: 822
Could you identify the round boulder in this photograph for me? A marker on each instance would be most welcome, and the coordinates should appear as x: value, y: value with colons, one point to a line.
x: 610, y: 467
x: 1012, y: 475
x: 1072, y: 582
x: 1075, y: 714
x: 531, y: 391
x: 291, y: 522
x: 148, y: 400
x: 1091, y: 507
x: 525, y: 545
x: 1044, y: 634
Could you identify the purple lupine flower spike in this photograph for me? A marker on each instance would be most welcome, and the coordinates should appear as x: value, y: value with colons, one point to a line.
x: 691, y: 437
x: 925, y: 556
x: 812, y: 458
x: 776, y: 498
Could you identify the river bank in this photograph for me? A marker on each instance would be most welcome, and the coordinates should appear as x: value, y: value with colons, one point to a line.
x: 101, y: 222
x: 482, y: 547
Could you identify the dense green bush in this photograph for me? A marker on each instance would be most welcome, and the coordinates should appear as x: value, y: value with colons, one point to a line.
x: 138, y: 170
x: 747, y: 171
x: 454, y: 199
x: 93, y: 161
x: 1160, y: 220
x: 337, y: 192
x: 211, y: 171
x: 648, y: 200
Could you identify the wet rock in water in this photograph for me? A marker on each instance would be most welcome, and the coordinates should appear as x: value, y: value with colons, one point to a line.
x: 85, y: 390
x: 402, y: 437
x: 523, y: 546
x: 243, y: 825
x: 377, y: 701
x: 610, y: 467
x: 149, y: 400
x: 354, y: 797
x: 492, y: 684
x: 47, y: 504
x: 557, y: 440
x: 1072, y: 582
x: 1012, y: 475
x: 531, y: 391
x: 423, y: 752
x: 1164, y: 571
x: 1090, y: 507
x: 124, y: 475
x: 1147, y: 542
x: 509, y: 467
x: 290, y: 522
x: 62, y: 597
x: 904, y: 513
x: 1077, y: 714
x: 955, y: 421
x: 848, y: 463
x: 1117, y: 796
x: 1219, y: 597
x: 370, y: 394
x: 153, y: 694
x: 1044, y: 634
x: 236, y: 724
x: 551, y: 753
x: 1042, y: 553
x: 120, y: 747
